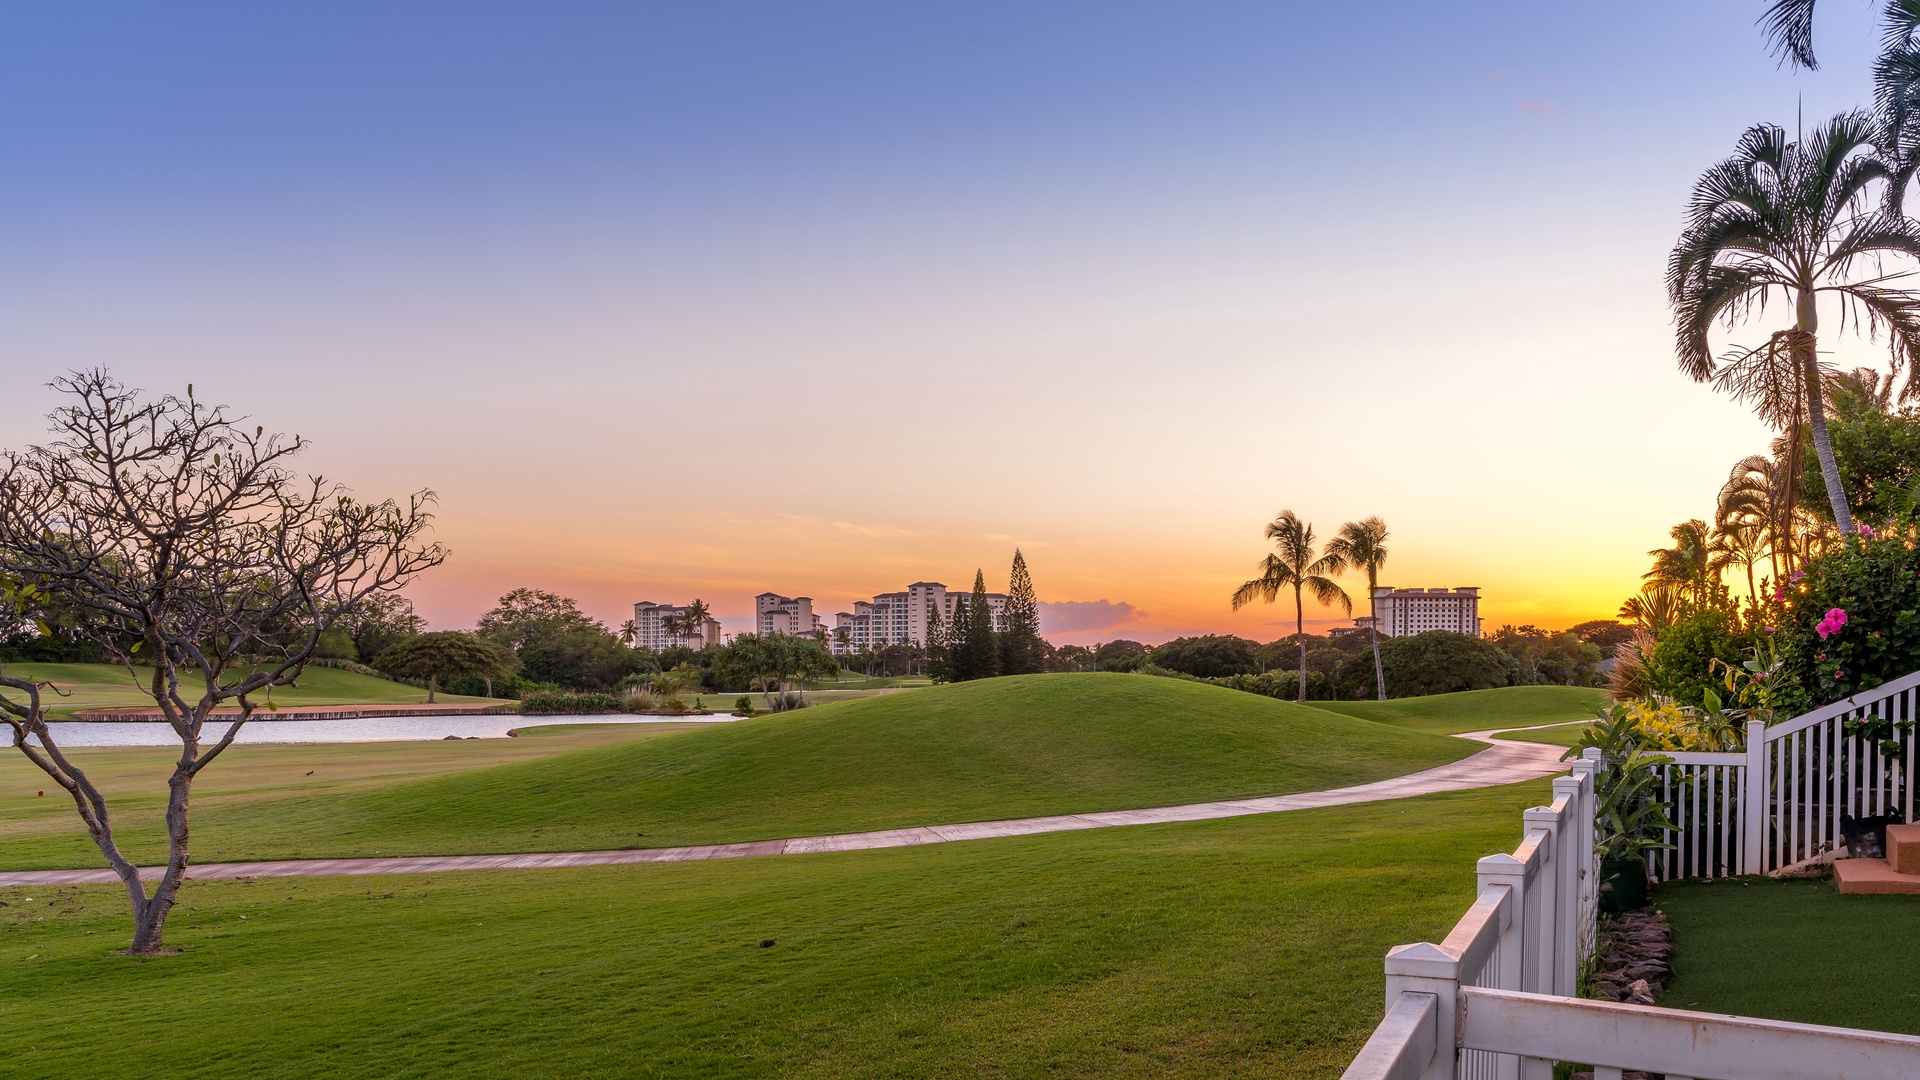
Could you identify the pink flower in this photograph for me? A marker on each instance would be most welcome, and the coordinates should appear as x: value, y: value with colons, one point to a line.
x: 1780, y: 594
x: 1797, y: 575
x: 1866, y: 530
x: 1835, y: 619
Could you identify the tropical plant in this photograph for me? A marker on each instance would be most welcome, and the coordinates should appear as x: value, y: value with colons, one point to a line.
x: 1690, y: 567
x: 693, y: 620
x: 1298, y: 565
x: 1654, y: 609
x: 1875, y: 583
x: 1630, y: 821
x: 1792, y: 220
x: 629, y: 633
x: 1363, y: 546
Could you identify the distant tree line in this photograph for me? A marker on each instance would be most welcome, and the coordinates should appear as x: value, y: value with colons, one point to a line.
x: 1342, y: 668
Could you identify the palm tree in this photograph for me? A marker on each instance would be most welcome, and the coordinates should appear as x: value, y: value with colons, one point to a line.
x: 1741, y: 541
x: 1761, y: 489
x: 629, y: 633
x: 1791, y: 220
x: 675, y: 627
x: 694, y: 618
x: 1691, y: 568
x: 1363, y: 545
x: 1296, y: 565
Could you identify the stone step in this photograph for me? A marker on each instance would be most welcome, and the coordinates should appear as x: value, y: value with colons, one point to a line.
x: 1873, y: 877
x: 1903, y: 848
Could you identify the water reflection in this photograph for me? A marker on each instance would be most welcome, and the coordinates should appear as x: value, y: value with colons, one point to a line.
x: 363, y: 729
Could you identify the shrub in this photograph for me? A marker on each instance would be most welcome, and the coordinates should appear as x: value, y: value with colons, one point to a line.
x: 562, y: 703
x: 1441, y: 662
x: 1681, y: 664
x: 1876, y: 582
x: 1210, y: 657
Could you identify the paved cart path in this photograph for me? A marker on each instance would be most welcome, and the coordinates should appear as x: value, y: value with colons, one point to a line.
x: 1502, y: 762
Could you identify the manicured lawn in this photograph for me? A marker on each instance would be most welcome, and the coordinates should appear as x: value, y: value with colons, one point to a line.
x: 1242, y: 948
x: 1795, y: 950
x: 1476, y: 710
x: 998, y: 748
x: 1558, y: 735
x: 94, y: 686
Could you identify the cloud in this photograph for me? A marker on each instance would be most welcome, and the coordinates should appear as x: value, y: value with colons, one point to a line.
x: 1077, y: 616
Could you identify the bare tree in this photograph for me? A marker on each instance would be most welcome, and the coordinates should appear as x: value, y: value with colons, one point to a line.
x: 200, y: 562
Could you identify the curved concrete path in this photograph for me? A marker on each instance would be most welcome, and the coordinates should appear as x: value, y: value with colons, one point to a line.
x: 1502, y: 762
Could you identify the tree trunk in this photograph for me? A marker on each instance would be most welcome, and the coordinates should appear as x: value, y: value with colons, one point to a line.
x: 1805, y: 347
x: 1790, y: 499
x: 433, y: 680
x: 150, y: 912
x: 1373, y: 623
x: 1300, y: 633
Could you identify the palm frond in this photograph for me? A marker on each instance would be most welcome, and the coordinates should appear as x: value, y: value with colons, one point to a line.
x: 1788, y: 25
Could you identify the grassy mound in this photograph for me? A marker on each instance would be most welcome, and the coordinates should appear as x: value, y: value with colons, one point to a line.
x: 1242, y: 948
x: 1476, y: 710
x: 1000, y: 748
x: 99, y: 686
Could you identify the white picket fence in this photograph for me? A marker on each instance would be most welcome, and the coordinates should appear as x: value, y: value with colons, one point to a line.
x: 1778, y: 804
x: 1494, y: 1001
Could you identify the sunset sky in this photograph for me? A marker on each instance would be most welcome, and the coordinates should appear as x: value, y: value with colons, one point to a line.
x: 676, y: 300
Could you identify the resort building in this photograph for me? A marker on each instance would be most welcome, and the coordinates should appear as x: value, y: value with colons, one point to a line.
x: 652, y: 621
x: 900, y: 618
x: 790, y: 615
x: 1406, y: 612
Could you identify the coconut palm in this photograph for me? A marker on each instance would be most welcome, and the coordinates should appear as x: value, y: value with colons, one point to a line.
x: 1296, y: 565
x: 1741, y: 541
x: 629, y: 633
x: 1363, y: 546
x: 694, y: 618
x: 1691, y: 567
x: 1792, y: 221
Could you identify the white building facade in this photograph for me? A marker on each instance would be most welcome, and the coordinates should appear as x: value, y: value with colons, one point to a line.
x: 790, y: 615
x: 901, y: 618
x: 1406, y: 612
x: 651, y: 621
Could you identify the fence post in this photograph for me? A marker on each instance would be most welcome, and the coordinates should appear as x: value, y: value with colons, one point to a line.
x: 1756, y: 804
x: 1426, y: 968
x: 1566, y: 902
x: 1585, y: 823
x: 1542, y: 937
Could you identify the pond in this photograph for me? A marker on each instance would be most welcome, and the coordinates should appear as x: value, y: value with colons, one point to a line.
x: 363, y: 729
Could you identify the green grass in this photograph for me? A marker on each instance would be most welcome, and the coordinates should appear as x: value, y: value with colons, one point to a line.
x: 1249, y: 947
x: 999, y: 748
x: 1476, y: 710
x: 95, y: 686
x: 1795, y: 950
x: 1559, y: 735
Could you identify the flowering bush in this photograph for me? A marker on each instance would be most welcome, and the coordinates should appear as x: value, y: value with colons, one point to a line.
x: 1850, y: 619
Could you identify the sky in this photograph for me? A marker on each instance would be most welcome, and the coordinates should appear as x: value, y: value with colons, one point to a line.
x: 677, y: 300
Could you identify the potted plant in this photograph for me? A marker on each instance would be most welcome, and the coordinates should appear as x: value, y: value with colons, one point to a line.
x: 1629, y: 820
x: 1630, y: 824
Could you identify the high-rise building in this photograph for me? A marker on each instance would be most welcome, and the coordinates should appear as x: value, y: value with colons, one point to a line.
x: 651, y: 620
x: 900, y: 618
x: 790, y: 615
x: 1406, y: 612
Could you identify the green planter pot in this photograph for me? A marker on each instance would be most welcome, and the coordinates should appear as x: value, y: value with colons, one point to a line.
x: 1623, y: 885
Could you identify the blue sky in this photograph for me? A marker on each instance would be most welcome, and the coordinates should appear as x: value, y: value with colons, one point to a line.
x: 673, y: 300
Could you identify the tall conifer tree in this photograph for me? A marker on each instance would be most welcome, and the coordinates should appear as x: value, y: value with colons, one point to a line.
x: 981, y: 648
x: 1020, y: 646
x: 939, y: 646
